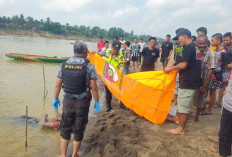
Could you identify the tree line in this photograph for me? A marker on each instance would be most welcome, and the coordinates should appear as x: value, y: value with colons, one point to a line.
x: 29, y: 23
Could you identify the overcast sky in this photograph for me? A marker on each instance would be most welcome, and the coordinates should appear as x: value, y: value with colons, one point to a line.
x: 153, y: 17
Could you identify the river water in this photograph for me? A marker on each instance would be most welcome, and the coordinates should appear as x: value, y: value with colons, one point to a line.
x: 21, y: 84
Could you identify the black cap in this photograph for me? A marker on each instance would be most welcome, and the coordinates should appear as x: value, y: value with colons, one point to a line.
x: 182, y: 31
x: 194, y: 38
x: 116, y: 45
x: 178, y: 30
x: 202, y: 29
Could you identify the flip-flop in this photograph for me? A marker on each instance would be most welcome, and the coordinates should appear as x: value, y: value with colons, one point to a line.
x: 213, y: 149
x: 204, y: 113
x: 213, y: 138
x: 217, y: 105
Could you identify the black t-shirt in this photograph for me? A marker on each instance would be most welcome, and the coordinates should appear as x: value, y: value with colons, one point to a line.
x: 166, y: 48
x: 190, y: 78
x: 149, y: 59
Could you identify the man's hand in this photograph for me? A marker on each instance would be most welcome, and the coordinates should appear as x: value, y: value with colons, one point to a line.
x: 93, y: 51
x: 168, y: 58
x: 56, y: 104
x: 203, y: 90
x: 167, y: 69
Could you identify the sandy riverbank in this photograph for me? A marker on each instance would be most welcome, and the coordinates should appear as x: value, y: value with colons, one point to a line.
x: 44, y: 34
x: 123, y: 133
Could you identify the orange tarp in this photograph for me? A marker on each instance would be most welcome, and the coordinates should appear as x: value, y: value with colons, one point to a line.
x: 149, y: 94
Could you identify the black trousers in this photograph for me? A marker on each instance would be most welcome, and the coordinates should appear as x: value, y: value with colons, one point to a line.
x: 140, y: 57
x: 108, y: 97
x: 74, y: 117
x: 225, y: 133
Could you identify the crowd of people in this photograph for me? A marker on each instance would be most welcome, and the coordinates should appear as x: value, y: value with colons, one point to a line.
x: 202, y: 65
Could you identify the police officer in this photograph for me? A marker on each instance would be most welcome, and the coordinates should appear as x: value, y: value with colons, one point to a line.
x: 115, y: 57
x: 76, y: 76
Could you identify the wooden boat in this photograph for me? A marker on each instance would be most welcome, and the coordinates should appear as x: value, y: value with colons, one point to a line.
x: 36, y: 58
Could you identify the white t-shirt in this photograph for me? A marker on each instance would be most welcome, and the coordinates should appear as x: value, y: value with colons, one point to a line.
x: 228, y: 97
x: 103, y: 51
x: 142, y: 45
x: 122, y: 42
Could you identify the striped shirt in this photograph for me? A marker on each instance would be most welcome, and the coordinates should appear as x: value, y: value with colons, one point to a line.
x: 209, y: 61
x: 135, y: 50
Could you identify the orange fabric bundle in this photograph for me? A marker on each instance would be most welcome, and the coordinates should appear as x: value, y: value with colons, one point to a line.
x: 149, y: 94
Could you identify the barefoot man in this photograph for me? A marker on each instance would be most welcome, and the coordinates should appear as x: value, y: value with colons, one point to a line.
x: 208, y: 64
x: 189, y: 78
x: 76, y: 75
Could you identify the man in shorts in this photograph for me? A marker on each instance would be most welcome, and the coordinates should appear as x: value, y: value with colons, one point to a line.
x: 76, y: 76
x: 135, y: 48
x: 208, y: 64
x: 177, y: 59
x: 189, y: 78
x: 166, y: 49
x: 216, y: 80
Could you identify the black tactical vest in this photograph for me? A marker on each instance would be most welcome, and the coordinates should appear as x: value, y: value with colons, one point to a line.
x: 74, y: 78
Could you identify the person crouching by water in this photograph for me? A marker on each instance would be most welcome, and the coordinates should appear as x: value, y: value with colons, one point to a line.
x: 76, y: 76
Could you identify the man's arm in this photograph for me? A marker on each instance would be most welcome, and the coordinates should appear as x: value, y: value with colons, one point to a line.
x: 94, y: 87
x: 207, y: 80
x: 178, y: 67
x: 229, y: 65
x: 58, y: 116
x: 142, y: 58
x: 57, y: 87
x: 170, y: 54
x: 101, y: 53
x: 174, y: 63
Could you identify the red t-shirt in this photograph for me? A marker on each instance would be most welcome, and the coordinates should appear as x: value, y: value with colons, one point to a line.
x: 100, y: 45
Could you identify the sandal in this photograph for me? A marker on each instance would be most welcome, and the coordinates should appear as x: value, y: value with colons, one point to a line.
x: 213, y: 149
x: 217, y: 105
x: 213, y: 138
x: 204, y: 113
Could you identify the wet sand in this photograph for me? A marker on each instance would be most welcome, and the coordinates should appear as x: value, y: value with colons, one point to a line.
x: 122, y: 133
